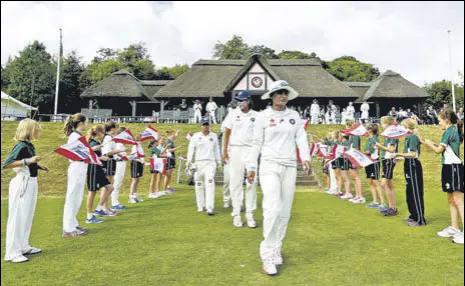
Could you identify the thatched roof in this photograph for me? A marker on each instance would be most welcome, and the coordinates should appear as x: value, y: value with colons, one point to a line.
x: 119, y: 84
x: 153, y: 86
x: 215, y: 77
x: 392, y: 85
x: 360, y: 88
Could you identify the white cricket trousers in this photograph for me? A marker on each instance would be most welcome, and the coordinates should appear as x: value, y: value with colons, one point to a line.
x: 205, y: 184
x: 332, y: 178
x: 22, y: 198
x: 314, y: 119
x: 212, y: 117
x: 237, y: 158
x: 119, y: 176
x: 74, y: 194
x: 226, y: 187
x: 197, y: 116
x: 278, y: 186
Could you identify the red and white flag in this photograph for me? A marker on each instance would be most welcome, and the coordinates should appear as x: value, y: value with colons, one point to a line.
x: 327, y: 152
x: 306, y: 123
x: 79, y: 150
x: 358, y: 158
x: 158, y: 164
x: 149, y: 134
x: 356, y: 130
x: 125, y: 137
x: 395, y: 131
x: 314, y: 149
x: 189, y: 136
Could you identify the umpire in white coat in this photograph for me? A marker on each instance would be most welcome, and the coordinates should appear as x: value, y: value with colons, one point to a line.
x: 278, y: 132
x: 206, y: 148
x: 237, y: 145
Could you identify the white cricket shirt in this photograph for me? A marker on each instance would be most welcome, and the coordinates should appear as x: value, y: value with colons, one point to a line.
x: 241, y: 125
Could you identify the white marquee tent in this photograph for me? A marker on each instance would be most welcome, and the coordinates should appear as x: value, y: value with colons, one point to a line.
x: 13, y: 109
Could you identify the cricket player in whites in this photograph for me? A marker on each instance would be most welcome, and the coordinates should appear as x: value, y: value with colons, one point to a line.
x: 237, y: 146
x: 206, y: 148
x: 278, y: 132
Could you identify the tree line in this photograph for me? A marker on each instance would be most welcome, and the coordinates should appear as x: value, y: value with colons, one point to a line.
x: 31, y: 76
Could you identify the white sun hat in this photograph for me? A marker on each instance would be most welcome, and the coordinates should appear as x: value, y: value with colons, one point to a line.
x: 278, y: 85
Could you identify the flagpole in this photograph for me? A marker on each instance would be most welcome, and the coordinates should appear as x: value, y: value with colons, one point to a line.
x: 58, y: 79
x: 451, y: 72
x: 46, y: 155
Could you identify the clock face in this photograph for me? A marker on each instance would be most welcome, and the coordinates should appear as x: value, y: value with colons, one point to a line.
x: 257, y: 82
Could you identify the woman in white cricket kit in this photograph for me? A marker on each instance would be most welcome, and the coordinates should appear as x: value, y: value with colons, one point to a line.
x: 22, y: 193
x: 226, y: 188
x: 211, y: 110
x: 315, y: 112
x: 197, y: 111
x: 206, y: 148
x: 365, y: 109
x: 278, y: 132
x: 237, y: 146
x: 75, y: 125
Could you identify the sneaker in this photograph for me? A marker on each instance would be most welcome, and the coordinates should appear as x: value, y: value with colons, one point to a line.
x: 347, y: 196
x: 139, y: 200
x: 94, y: 220
x: 415, y: 224
x: 83, y: 229
x: 111, y: 213
x: 270, y: 269
x: 100, y: 213
x: 353, y: 199
x: 448, y: 232
x: 210, y: 213
x: 407, y: 219
x: 237, y: 222
x: 160, y: 194
x: 132, y: 201
x: 170, y: 191
x: 32, y: 250
x: 458, y: 238
x: 338, y: 194
x: 74, y: 233
x: 332, y: 192
x: 359, y: 201
x: 200, y: 210
x: 118, y: 207
x: 225, y: 205
x: 19, y: 259
x: 383, y: 208
x: 251, y: 222
x: 391, y: 212
x: 373, y: 205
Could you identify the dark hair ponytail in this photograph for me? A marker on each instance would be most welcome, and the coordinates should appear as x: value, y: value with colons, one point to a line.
x: 72, y: 122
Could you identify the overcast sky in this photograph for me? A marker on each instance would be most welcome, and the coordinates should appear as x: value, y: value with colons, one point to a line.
x: 407, y: 37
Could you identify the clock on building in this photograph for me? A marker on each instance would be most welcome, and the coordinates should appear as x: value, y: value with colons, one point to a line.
x: 257, y: 82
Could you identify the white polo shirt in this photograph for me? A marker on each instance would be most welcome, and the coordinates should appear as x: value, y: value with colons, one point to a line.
x: 276, y: 136
x: 241, y: 125
x: 108, y: 147
x: 206, y: 148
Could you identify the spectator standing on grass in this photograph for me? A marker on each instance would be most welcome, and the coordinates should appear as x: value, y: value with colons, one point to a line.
x: 452, y: 172
x: 211, y: 110
x: 197, y: 111
x: 432, y: 115
x: 315, y: 112
x: 22, y: 192
x: 351, y: 111
x: 393, y: 113
x: 365, y: 110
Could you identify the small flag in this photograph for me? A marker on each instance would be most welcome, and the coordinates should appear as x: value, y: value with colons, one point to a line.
x: 358, y: 158
x: 158, y: 164
x: 306, y: 123
x: 314, y: 149
x: 79, y: 150
x: 395, y: 132
x: 327, y: 152
x: 125, y: 137
x: 149, y: 134
x: 356, y: 130
x: 138, y: 151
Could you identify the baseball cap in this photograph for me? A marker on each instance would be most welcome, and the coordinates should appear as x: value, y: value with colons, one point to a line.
x: 204, y: 121
x: 243, y: 95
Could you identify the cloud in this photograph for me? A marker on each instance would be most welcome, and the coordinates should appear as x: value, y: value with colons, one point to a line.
x: 407, y: 37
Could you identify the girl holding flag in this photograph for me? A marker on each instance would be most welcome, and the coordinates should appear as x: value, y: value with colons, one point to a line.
x: 413, y: 172
x: 171, y: 158
x: 22, y: 193
x: 452, y: 171
x: 373, y: 170
x: 157, y: 150
x: 345, y: 166
x: 75, y: 125
x: 96, y: 178
x: 336, y: 163
x: 388, y: 150
x: 137, y: 170
x: 354, y: 142
x: 121, y: 160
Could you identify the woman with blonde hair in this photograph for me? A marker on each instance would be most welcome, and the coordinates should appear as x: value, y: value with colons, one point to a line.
x: 452, y: 171
x: 22, y: 192
x: 413, y: 173
x: 388, y: 150
x: 96, y: 178
x: 75, y: 125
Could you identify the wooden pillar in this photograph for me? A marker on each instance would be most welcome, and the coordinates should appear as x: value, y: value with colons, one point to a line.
x: 90, y: 104
x: 378, y: 111
x: 133, y: 103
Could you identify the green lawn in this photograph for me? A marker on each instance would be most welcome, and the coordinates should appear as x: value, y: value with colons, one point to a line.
x: 165, y: 241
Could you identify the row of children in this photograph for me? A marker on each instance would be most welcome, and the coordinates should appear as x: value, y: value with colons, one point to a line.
x: 108, y: 178
x: 340, y: 171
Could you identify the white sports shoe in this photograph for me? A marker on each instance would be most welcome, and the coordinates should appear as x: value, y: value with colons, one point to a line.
x: 237, y: 221
x: 32, y: 250
x: 19, y: 259
x: 251, y: 221
x: 353, y: 199
x: 359, y: 201
x: 132, y: 201
x: 226, y: 205
x: 458, y: 238
x: 200, y: 210
x: 347, y: 196
x: 270, y: 269
x: 449, y: 232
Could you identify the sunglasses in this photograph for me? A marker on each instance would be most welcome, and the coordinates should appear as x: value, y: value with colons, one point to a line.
x: 282, y: 91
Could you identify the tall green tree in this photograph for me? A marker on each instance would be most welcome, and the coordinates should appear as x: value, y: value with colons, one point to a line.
x: 97, y: 71
x: 31, y: 77
x: 348, y: 68
x: 171, y: 72
x: 295, y: 55
x: 441, y: 92
x: 69, y: 100
x: 137, y: 61
x: 264, y: 51
x: 234, y: 49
